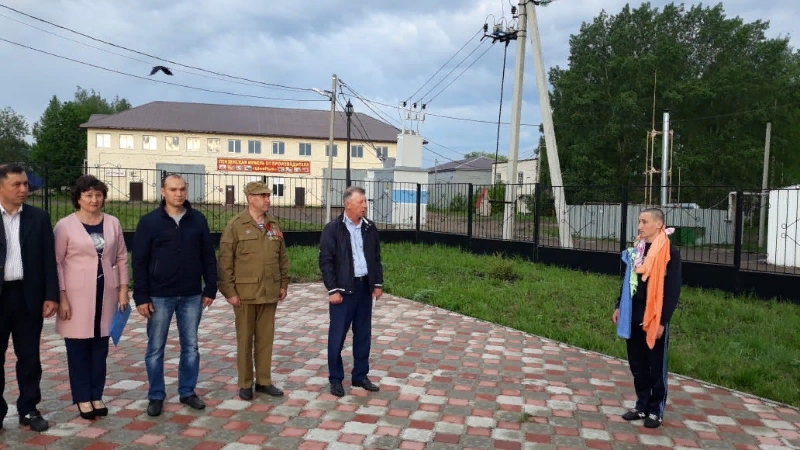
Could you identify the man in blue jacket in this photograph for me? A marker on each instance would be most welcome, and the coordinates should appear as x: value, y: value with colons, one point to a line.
x: 350, y: 262
x: 172, y: 252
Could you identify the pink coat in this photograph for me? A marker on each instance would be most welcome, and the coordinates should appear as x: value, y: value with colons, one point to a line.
x: 76, y: 259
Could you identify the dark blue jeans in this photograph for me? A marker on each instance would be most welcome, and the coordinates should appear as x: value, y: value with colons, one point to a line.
x: 355, y: 310
x: 86, y: 360
x: 187, y: 311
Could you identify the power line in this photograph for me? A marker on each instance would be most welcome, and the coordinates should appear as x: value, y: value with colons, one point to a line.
x: 132, y: 58
x: 459, y: 75
x: 363, y: 137
x: 451, y: 71
x: 445, y: 64
x: 152, y: 56
x: 154, y: 80
x: 366, y: 103
x: 500, y: 112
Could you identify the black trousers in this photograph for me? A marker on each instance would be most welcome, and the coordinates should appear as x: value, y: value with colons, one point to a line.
x: 649, y: 369
x: 356, y: 311
x: 25, y: 330
x: 86, y: 359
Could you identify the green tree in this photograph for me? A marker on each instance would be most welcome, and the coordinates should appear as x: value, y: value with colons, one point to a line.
x: 476, y: 154
x: 60, y: 147
x: 721, y: 78
x: 13, y: 130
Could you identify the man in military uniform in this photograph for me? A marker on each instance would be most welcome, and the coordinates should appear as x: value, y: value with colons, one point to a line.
x: 254, y: 277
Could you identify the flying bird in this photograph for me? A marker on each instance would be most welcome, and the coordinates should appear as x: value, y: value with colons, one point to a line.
x: 161, y: 68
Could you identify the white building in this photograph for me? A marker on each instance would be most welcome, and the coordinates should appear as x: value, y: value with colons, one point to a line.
x: 524, y: 182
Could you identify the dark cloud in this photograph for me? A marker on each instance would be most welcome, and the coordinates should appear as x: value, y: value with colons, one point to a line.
x: 384, y: 51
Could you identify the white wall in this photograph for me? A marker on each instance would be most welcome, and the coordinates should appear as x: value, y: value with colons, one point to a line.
x: 782, y: 228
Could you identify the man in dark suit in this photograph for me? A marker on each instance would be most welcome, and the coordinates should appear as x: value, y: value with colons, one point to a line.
x: 352, y: 271
x: 28, y: 290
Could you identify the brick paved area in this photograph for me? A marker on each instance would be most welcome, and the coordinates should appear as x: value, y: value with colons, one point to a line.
x: 447, y: 382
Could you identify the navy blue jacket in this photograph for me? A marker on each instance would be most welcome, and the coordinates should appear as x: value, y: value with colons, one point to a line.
x: 170, y: 259
x: 336, y: 256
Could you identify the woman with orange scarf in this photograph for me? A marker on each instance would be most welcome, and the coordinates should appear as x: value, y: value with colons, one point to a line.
x: 655, y: 284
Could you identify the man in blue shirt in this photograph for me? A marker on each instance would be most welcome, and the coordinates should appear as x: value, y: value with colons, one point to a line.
x: 172, y: 255
x: 350, y: 262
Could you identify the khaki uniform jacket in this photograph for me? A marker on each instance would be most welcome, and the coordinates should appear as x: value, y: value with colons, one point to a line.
x: 253, y: 264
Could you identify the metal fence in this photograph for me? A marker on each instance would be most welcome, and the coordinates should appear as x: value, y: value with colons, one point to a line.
x: 749, y: 230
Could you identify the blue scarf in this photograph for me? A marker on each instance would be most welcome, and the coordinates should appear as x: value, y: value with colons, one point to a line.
x: 629, y: 283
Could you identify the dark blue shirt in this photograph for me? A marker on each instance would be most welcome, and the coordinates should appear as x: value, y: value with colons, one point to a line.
x: 173, y: 259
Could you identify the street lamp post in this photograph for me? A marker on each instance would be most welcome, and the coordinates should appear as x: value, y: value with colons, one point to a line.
x: 349, y: 111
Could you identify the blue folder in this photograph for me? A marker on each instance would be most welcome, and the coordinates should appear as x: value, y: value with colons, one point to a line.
x: 118, y: 324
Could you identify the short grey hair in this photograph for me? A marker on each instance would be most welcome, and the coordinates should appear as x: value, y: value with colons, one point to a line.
x: 352, y: 190
x: 656, y: 213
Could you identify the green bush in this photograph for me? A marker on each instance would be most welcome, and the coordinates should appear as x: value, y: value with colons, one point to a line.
x: 458, y: 203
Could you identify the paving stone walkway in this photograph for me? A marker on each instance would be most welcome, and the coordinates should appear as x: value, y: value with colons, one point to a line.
x: 447, y: 382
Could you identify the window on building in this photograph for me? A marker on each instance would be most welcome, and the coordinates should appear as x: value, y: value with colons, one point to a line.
x: 305, y: 149
x: 277, y: 187
x: 192, y: 144
x: 126, y: 141
x: 234, y: 146
x: 383, y: 152
x: 497, y: 177
x: 335, y: 150
x: 213, y: 145
x: 254, y: 147
x: 356, y: 151
x: 278, y: 148
x: 173, y: 143
x: 103, y: 140
x: 149, y: 143
x: 520, y: 178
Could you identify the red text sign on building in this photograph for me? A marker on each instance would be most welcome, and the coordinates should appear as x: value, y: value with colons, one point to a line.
x: 263, y: 165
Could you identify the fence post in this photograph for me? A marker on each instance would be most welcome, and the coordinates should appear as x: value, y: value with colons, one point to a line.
x: 623, y: 226
x: 419, y: 210
x: 623, y: 216
x: 470, y: 209
x: 737, y: 236
x: 537, y: 219
x: 46, y: 189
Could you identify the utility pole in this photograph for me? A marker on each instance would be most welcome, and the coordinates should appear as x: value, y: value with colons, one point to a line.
x: 516, y: 112
x: 665, y: 158
x: 764, y: 185
x: 329, y: 191
x: 564, y: 233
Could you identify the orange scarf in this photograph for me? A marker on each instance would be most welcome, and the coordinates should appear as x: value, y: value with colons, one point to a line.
x: 654, y: 268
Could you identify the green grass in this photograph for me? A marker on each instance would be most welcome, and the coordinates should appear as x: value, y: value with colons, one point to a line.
x: 130, y: 213
x: 742, y: 343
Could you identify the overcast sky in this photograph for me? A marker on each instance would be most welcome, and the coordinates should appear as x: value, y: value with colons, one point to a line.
x: 383, y: 52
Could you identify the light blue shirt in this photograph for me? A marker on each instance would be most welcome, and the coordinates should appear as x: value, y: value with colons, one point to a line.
x: 357, y: 245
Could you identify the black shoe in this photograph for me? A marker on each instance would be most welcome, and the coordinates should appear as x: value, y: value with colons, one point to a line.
x: 653, y: 421
x: 337, y: 389
x: 246, y: 393
x: 34, y: 420
x: 88, y: 415
x: 634, y: 414
x: 271, y: 390
x: 193, y: 401
x: 366, y: 384
x: 155, y: 407
x: 100, y: 412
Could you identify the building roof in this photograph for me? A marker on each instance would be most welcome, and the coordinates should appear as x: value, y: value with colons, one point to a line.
x: 244, y: 120
x: 480, y: 163
x: 518, y: 161
x: 94, y: 117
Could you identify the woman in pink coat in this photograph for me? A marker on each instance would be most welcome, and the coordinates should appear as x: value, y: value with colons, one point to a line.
x: 93, y: 278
